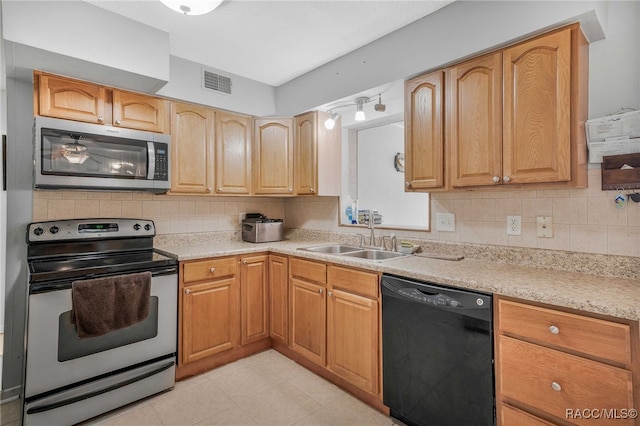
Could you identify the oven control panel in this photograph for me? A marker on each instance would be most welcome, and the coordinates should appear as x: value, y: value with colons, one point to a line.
x: 81, y: 229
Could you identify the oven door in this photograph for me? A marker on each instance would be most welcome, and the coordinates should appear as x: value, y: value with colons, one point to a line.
x: 57, y: 357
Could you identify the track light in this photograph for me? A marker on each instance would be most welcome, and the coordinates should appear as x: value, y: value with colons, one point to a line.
x: 360, y: 109
x: 380, y: 107
x: 331, y: 121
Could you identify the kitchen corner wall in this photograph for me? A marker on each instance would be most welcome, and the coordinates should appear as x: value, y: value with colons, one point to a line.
x: 172, y: 214
x: 584, y: 220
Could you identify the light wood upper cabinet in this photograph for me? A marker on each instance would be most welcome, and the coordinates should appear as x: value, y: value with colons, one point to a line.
x: 233, y: 153
x: 70, y: 99
x: 192, y: 144
x: 474, y: 120
x: 254, y: 291
x: 136, y: 111
x: 424, y: 142
x: 537, y: 110
x: 273, y: 156
x: 306, y: 154
x: 317, y: 153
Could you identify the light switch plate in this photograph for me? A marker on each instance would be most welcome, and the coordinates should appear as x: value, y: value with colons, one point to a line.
x: 544, y: 226
x: 446, y: 222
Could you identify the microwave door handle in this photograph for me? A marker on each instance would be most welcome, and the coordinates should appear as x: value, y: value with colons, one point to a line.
x: 151, y: 155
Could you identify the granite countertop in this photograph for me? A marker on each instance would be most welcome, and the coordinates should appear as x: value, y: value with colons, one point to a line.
x: 616, y: 297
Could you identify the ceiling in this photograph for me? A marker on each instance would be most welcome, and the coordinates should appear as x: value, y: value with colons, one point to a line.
x: 274, y: 42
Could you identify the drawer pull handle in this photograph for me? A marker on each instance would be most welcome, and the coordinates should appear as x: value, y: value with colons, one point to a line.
x: 212, y: 270
x: 554, y: 330
x: 556, y: 386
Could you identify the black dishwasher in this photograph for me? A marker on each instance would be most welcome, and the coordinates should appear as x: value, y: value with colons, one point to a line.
x: 437, y: 352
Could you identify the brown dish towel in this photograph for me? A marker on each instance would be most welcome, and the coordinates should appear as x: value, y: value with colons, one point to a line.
x: 103, y: 305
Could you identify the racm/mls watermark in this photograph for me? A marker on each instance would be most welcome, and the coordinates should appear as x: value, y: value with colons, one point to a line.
x: 601, y: 413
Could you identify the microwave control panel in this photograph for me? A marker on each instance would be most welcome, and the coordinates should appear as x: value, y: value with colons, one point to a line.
x: 162, y: 161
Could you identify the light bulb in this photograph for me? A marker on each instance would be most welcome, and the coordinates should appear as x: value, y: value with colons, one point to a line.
x: 330, y: 123
x: 360, y: 116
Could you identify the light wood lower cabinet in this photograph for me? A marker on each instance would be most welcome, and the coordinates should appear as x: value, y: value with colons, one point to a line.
x: 210, y: 312
x: 279, y: 298
x: 334, y: 320
x: 254, y: 291
x: 556, y: 367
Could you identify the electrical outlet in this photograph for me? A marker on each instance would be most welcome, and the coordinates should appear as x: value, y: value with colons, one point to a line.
x: 544, y: 226
x: 241, y: 217
x: 446, y: 222
x: 514, y: 225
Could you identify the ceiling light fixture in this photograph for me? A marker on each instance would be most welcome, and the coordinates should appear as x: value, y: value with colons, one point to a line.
x: 192, y: 7
x: 360, y: 116
x: 380, y: 107
x: 330, y: 123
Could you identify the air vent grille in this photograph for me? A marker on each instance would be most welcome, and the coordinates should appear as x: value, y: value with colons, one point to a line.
x: 216, y: 82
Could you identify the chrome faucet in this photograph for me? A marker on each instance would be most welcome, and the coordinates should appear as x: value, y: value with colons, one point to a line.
x: 361, y: 243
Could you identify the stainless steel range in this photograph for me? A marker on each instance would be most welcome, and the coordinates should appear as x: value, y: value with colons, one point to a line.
x: 71, y: 376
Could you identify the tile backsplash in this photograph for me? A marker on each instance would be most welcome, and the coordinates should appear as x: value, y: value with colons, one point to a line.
x: 584, y: 220
x: 172, y: 214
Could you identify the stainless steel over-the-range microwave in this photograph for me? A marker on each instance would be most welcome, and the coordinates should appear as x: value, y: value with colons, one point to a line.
x: 71, y: 154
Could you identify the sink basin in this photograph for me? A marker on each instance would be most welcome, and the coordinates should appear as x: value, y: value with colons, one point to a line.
x: 332, y: 249
x: 375, y: 255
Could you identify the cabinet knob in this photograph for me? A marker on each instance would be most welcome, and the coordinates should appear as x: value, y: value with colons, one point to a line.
x: 209, y: 189
x: 321, y: 290
x: 496, y: 179
x: 219, y: 189
x: 506, y: 178
x: 330, y: 293
x: 187, y: 290
x: 290, y: 189
x: 101, y: 119
x: 556, y: 386
x: 554, y: 330
x: 312, y: 190
x: 118, y: 122
x: 244, y: 262
x: 407, y: 184
x: 212, y: 270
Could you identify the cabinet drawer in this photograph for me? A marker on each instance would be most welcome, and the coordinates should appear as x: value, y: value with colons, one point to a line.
x: 360, y: 282
x: 555, y: 382
x: 312, y: 271
x: 591, y: 336
x: 512, y: 416
x: 209, y: 269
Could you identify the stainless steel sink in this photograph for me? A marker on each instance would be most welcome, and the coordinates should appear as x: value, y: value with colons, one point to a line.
x: 375, y: 255
x: 331, y: 249
x: 370, y: 254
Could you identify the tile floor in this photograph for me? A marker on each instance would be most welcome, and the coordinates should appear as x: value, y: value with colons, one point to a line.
x: 264, y: 389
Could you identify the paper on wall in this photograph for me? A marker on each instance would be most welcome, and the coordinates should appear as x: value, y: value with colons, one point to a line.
x: 613, y: 135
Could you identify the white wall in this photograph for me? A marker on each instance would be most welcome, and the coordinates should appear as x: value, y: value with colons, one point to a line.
x: 80, y: 40
x: 380, y: 185
x: 458, y: 30
x: 247, y: 96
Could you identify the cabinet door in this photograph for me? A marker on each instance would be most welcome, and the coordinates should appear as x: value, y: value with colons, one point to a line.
x: 192, y: 132
x: 136, y: 111
x: 474, y: 121
x: 233, y: 153
x: 352, y: 340
x: 254, y: 293
x: 72, y: 100
x: 306, y: 154
x: 273, y: 156
x: 537, y: 110
x: 308, y: 320
x: 210, y: 319
x: 424, y: 142
x: 279, y: 296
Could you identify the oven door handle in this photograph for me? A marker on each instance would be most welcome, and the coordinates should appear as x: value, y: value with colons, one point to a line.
x: 48, y: 407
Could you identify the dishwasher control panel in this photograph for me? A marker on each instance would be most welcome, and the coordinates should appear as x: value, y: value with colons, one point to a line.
x: 436, y: 299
